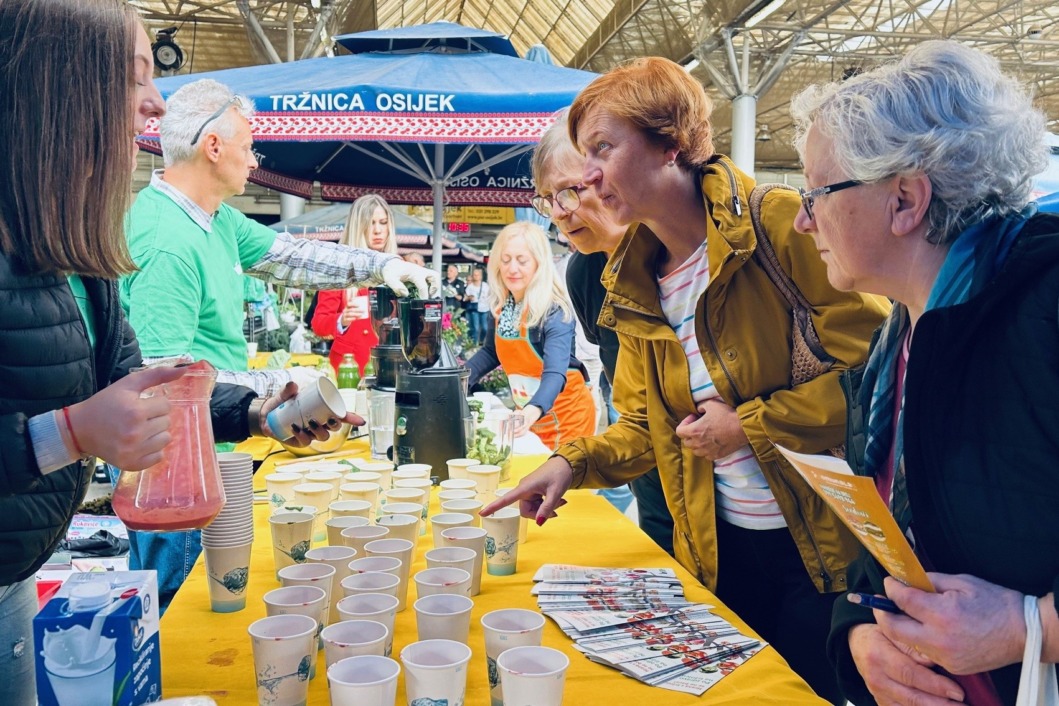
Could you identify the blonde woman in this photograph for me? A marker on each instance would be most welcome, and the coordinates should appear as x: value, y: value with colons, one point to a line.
x: 532, y: 338
x: 343, y: 314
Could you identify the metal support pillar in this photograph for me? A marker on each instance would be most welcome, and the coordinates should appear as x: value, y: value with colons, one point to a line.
x: 736, y: 85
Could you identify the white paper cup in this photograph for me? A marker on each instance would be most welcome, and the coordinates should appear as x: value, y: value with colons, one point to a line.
x: 371, y: 564
x: 357, y: 537
x: 349, y: 638
x: 337, y: 525
x: 504, y: 629
x: 383, y: 468
x: 443, y: 617
x: 251, y: 349
x: 330, y: 478
x: 316, y: 494
x: 359, y: 476
x: 368, y: 491
x: 452, y: 558
x: 339, y: 558
x: 370, y: 582
x: 380, y: 607
x: 422, y: 484
x: 400, y: 496
x: 319, y: 575
x: 351, y: 508
x: 458, y: 467
x: 435, y: 671
x: 397, y: 549
x: 488, y: 479
x: 401, y: 527
x: 299, y: 600
x: 292, y: 534
x: 315, y: 464
x: 412, y: 470
x: 469, y: 507
x: 501, y: 542
x: 314, y: 403
x: 365, y: 680
x: 532, y: 676
x: 445, y: 495
x: 402, y: 508
x: 283, y: 646
x: 461, y: 482
x: 318, y: 521
x: 472, y: 538
x: 291, y: 507
x: 445, y: 520
x: 280, y: 487
x: 227, y: 573
x: 523, y: 523
x: 449, y: 581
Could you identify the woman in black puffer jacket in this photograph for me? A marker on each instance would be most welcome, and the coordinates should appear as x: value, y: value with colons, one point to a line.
x: 66, y: 393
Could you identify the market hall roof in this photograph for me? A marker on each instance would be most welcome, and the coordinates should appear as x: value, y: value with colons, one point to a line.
x: 823, y: 39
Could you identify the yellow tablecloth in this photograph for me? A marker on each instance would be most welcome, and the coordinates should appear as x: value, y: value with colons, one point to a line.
x: 308, y: 359
x: 209, y: 653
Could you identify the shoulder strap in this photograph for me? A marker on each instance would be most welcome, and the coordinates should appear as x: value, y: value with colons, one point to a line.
x: 765, y: 254
x: 801, y: 309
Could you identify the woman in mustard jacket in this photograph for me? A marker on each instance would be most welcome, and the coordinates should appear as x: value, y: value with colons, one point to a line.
x: 686, y: 297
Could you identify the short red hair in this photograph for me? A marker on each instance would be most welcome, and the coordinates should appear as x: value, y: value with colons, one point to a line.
x: 660, y: 98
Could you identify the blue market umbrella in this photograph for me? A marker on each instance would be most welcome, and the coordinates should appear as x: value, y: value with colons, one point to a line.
x: 430, y: 124
x: 538, y: 54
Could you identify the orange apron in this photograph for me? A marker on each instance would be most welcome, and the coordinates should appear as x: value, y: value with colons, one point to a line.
x: 573, y: 414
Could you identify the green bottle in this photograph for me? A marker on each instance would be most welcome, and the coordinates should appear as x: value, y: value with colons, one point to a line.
x: 348, y: 372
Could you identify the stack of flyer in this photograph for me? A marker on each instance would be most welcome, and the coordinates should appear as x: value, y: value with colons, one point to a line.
x: 637, y: 621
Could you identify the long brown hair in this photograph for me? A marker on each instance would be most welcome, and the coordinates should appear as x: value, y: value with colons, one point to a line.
x: 65, y: 103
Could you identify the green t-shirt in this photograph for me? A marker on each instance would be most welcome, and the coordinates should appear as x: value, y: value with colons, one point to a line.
x: 88, y: 314
x: 187, y: 295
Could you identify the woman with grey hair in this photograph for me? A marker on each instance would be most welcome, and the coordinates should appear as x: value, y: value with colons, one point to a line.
x: 918, y: 176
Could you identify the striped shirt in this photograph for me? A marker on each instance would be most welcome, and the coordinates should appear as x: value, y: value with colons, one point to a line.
x: 743, y: 496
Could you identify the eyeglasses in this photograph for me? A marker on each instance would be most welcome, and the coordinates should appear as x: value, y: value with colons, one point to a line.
x: 809, y: 197
x: 569, y: 199
x: 218, y: 113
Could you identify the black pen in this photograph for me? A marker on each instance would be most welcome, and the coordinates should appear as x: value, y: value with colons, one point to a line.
x: 871, y: 601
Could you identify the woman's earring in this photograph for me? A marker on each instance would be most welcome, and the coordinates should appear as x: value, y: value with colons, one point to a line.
x: 671, y: 163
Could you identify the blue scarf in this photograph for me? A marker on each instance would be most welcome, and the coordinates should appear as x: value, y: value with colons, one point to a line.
x: 972, y: 261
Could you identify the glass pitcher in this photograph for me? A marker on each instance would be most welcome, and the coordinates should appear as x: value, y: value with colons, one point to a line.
x: 493, y: 441
x: 183, y: 491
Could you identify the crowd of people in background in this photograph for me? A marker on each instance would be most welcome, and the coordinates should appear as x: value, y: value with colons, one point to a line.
x: 932, y: 279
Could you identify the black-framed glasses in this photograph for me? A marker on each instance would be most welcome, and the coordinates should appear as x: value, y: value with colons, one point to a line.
x: 809, y: 197
x: 569, y: 199
x: 218, y: 113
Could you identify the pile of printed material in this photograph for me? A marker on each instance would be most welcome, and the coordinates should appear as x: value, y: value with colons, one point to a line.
x: 637, y: 621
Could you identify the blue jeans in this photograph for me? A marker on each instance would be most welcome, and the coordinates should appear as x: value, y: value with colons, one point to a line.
x: 471, y: 315
x: 171, y: 554
x: 18, y: 605
x: 481, y: 319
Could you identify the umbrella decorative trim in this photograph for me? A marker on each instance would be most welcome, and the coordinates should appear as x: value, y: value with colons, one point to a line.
x: 416, y: 196
x: 397, y: 127
x: 425, y: 196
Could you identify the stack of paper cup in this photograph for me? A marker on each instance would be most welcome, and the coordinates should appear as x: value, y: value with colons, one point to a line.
x: 227, y: 540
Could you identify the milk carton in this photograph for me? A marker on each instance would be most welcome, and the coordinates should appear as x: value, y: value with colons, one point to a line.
x: 96, y: 641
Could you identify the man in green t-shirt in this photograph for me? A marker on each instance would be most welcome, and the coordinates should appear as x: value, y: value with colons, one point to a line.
x: 192, y: 249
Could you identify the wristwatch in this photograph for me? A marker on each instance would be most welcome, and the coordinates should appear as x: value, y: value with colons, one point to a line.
x: 254, y: 420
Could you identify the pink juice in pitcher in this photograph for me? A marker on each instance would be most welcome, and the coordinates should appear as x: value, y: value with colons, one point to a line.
x: 182, y: 491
